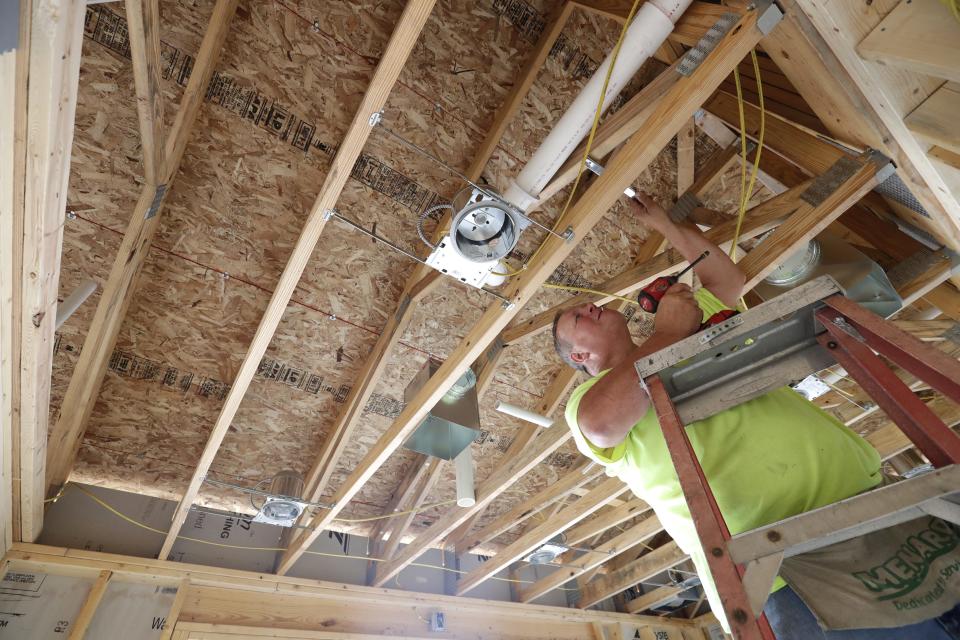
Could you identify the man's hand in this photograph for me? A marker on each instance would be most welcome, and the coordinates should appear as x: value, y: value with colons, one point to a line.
x: 649, y: 213
x: 678, y: 314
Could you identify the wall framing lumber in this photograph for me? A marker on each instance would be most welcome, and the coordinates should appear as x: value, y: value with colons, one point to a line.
x: 654, y: 598
x: 423, y: 278
x: 226, y: 596
x: 47, y: 77
x: 398, y: 526
x: 600, y: 495
x: 824, y: 40
x: 85, y: 383
x: 78, y: 630
x: 677, y: 106
x: 933, y: 121
x: 395, y: 55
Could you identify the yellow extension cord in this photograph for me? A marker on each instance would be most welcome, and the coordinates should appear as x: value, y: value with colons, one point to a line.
x: 142, y: 525
x: 593, y: 131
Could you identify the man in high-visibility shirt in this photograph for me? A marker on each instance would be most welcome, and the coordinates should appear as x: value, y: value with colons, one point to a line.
x: 767, y: 459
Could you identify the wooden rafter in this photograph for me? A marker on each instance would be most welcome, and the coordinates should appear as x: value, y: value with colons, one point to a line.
x: 655, y: 598
x: 636, y: 535
x: 84, y: 387
x: 815, y: 48
x: 569, y: 515
x: 395, y: 55
x: 676, y: 106
x: 758, y: 220
x: 576, y: 477
x: 635, y: 572
x: 143, y: 23
x: 423, y: 279
x: 41, y: 72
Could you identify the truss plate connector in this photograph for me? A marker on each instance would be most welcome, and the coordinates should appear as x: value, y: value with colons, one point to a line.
x: 157, y: 200
x: 375, y: 118
x: 769, y: 18
x: 594, y: 167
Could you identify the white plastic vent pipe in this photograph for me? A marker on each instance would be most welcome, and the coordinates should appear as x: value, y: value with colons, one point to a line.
x: 650, y: 27
x: 463, y: 465
x: 73, y: 301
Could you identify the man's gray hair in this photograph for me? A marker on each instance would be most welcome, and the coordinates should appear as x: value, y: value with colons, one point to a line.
x: 562, y: 347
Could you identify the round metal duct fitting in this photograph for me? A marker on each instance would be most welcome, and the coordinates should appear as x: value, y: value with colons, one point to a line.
x: 484, y: 230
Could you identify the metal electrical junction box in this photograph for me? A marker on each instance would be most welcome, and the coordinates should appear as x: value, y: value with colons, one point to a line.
x: 453, y: 423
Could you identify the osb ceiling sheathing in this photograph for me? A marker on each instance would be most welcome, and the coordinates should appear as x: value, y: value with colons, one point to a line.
x: 292, y: 74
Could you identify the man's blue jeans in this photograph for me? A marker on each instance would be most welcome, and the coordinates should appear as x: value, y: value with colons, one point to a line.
x: 792, y: 620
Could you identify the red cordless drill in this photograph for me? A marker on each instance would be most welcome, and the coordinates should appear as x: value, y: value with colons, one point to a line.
x: 651, y: 294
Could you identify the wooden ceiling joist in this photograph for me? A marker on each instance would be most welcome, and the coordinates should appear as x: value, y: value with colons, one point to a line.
x: 41, y: 71
x: 675, y: 108
x: 423, y: 279
x: 143, y: 20
x: 758, y: 220
x: 636, y: 535
x: 576, y: 477
x: 858, y: 100
x: 635, y: 572
x: 503, y: 477
x: 84, y: 387
x: 600, y: 495
x: 392, y: 61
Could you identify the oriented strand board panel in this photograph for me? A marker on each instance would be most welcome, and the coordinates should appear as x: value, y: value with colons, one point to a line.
x: 291, y: 76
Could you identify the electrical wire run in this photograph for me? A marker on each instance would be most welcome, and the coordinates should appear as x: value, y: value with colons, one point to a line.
x: 211, y: 543
x: 593, y: 131
x: 746, y: 189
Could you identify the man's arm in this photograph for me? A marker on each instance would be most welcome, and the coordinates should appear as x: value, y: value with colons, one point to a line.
x: 612, y: 406
x: 718, y: 273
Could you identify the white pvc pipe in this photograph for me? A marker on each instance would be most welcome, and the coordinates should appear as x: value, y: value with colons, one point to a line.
x: 523, y: 414
x: 463, y: 465
x: 651, y: 26
x: 73, y: 301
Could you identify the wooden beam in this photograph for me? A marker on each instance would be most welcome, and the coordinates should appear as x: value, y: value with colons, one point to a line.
x: 12, y: 55
x: 143, y: 23
x: 809, y: 220
x: 692, y: 25
x: 395, y: 528
x: 888, y: 440
x: 175, y: 607
x: 630, y: 509
x: 84, y: 387
x: 757, y: 220
x: 423, y: 279
x: 596, y: 498
x: 643, y: 568
x: 653, y: 599
x: 218, y: 596
x: 576, y: 477
x: 78, y: 630
x: 395, y: 55
x: 546, y: 442
x: 45, y: 71
x: 524, y: 437
x: 673, y: 110
x: 686, y: 141
x: 921, y: 35
x: 885, y: 92
x: 935, y: 120
x: 629, y: 539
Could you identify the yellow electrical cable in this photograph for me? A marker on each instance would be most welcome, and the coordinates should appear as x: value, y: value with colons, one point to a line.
x: 954, y: 6
x: 142, y: 525
x: 565, y: 287
x: 593, y: 131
